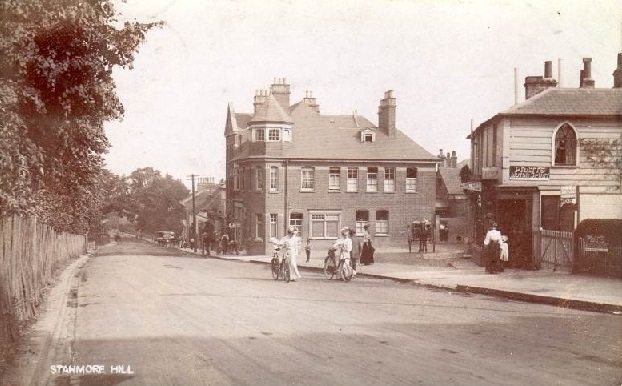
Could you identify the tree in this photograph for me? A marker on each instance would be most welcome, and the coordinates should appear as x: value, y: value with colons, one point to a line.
x: 157, y: 200
x: 465, y: 174
x: 56, y: 92
x: 605, y: 154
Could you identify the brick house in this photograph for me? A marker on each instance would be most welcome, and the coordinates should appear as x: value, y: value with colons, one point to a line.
x: 288, y: 164
x: 534, y: 164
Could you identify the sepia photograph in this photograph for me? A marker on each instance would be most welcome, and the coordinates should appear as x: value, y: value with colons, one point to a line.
x: 295, y: 192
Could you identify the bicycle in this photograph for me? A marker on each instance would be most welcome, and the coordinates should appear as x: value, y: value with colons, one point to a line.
x: 332, y: 269
x: 280, y: 263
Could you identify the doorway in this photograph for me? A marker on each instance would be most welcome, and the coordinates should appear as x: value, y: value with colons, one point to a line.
x: 515, y: 222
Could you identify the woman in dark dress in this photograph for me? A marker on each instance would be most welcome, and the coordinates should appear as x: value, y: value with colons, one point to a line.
x: 367, y: 254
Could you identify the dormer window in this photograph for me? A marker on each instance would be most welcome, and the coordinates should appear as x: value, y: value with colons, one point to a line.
x: 260, y: 135
x: 274, y: 134
x: 368, y: 136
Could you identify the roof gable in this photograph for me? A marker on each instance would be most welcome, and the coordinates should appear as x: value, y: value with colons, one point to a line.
x: 270, y: 111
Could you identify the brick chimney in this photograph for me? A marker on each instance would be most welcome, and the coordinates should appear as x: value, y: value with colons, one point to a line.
x: 260, y: 98
x: 386, y: 113
x: 310, y: 101
x: 617, y: 73
x: 536, y: 84
x: 281, y: 92
x: 585, y: 78
x: 454, y: 159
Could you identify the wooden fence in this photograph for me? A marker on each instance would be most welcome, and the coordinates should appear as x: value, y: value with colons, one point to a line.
x: 553, y: 249
x: 29, y: 254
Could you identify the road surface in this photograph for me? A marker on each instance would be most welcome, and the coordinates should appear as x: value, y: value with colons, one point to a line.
x: 156, y: 316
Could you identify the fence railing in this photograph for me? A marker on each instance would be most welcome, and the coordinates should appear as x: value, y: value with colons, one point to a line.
x: 29, y: 253
x: 553, y: 249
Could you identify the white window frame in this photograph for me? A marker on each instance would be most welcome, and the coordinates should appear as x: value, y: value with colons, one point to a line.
x: 334, y: 178
x: 554, y: 146
x: 260, y: 134
x: 236, y: 178
x: 274, y: 134
x: 323, y: 219
x: 259, y: 231
x: 411, y: 183
x: 274, y: 225
x: 389, y: 179
x: 352, y: 179
x: 382, y: 225
x: 307, y: 179
x: 372, y: 179
x: 362, y: 219
x: 274, y: 178
x: 295, y: 220
x: 259, y: 178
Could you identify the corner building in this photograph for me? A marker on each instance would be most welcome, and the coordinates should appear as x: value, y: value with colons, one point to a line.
x: 288, y: 164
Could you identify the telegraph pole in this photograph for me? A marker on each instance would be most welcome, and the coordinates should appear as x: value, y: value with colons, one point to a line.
x: 194, y: 217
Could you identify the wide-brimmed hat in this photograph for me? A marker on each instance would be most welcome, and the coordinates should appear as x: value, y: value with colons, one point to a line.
x: 344, y: 230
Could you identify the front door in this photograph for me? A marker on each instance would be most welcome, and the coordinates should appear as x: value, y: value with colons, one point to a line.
x: 515, y: 222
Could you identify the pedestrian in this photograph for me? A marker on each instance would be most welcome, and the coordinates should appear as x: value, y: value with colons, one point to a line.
x: 206, y: 242
x: 446, y: 232
x: 356, y: 250
x: 441, y: 232
x: 308, y: 250
x: 367, y: 252
x: 344, y: 245
x: 423, y: 236
x: 492, y: 249
x: 292, y: 243
x: 224, y: 242
x: 505, y: 253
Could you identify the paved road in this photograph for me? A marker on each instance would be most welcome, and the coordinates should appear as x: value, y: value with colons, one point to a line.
x: 174, y: 319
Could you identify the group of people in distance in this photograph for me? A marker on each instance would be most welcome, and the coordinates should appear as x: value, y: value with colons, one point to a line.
x: 495, y: 250
x: 347, y: 245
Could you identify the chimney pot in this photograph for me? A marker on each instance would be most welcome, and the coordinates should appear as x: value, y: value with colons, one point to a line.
x: 617, y: 73
x: 548, y: 69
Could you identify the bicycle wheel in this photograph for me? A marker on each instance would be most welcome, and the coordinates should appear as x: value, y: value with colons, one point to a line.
x: 345, y: 271
x: 287, y: 269
x: 274, y: 265
x: 329, y: 268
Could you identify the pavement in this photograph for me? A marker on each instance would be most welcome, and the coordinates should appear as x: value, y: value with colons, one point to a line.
x: 446, y: 268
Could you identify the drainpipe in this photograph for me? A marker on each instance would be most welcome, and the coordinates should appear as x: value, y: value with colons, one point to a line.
x: 285, y: 205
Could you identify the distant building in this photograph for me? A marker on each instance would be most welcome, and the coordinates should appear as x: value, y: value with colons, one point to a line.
x: 290, y: 165
x: 451, y: 201
x: 550, y: 161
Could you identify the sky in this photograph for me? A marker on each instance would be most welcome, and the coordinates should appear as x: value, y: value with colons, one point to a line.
x: 451, y: 64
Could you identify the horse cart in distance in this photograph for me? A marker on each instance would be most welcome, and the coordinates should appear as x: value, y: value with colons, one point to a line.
x: 165, y: 238
x: 421, y: 232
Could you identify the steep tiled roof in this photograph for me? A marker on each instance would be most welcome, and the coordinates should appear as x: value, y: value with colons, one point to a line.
x: 330, y: 140
x: 451, y: 179
x: 270, y: 111
x: 317, y: 136
x: 576, y: 101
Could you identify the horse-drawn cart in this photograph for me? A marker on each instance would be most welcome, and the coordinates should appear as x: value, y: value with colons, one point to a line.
x: 421, y: 232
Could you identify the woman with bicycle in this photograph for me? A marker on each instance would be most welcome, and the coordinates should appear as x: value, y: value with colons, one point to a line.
x: 344, y: 251
x: 292, y: 246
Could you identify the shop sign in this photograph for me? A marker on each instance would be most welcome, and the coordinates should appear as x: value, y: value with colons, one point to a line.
x: 595, y: 243
x: 491, y: 173
x: 529, y: 173
x: 567, y: 195
x: 472, y: 186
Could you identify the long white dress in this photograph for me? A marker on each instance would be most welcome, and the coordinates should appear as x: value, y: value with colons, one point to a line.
x: 293, y: 244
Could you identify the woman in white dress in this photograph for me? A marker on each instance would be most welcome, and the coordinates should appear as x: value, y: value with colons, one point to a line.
x: 292, y: 243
